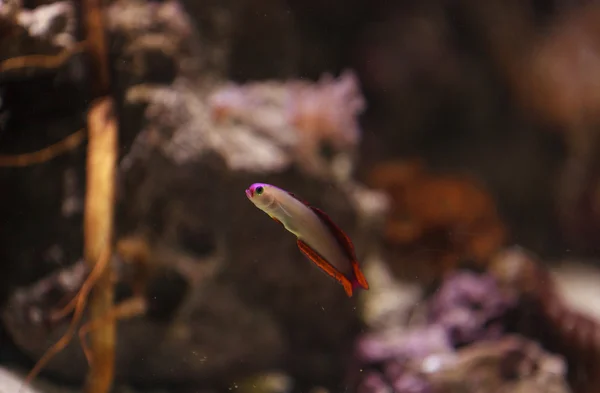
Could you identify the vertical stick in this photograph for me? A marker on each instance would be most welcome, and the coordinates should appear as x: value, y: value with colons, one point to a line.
x: 98, y: 232
x: 96, y: 46
x: 99, y: 204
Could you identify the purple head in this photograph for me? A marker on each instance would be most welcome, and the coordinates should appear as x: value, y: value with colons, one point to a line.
x: 262, y: 195
x: 255, y: 189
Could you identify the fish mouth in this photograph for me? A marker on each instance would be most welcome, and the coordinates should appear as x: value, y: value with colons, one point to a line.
x: 249, y: 193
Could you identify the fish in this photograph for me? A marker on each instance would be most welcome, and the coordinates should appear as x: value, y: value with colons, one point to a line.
x: 318, y: 237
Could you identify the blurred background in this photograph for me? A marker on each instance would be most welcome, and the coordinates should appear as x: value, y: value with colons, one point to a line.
x: 456, y: 142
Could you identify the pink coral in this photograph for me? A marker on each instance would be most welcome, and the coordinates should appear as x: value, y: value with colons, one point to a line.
x: 299, y: 116
x: 327, y: 110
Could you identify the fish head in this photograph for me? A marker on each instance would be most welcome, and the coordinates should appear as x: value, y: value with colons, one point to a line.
x: 261, y: 195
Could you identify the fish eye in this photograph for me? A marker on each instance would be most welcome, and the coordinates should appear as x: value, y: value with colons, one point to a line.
x: 259, y: 190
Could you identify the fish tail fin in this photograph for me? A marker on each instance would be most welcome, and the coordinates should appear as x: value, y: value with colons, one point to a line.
x: 359, y: 277
x: 358, y: 281
x: 351, y: 285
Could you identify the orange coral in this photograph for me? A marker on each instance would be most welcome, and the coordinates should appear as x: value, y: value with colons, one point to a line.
x: 436, y: 221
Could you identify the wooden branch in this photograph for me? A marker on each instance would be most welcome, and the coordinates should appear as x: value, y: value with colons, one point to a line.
x: 98, y: 233
x: 80, y: 304
x: 102, y: 156
x: 99, y: 204
x: 132, y: 307
x: 96, y: 38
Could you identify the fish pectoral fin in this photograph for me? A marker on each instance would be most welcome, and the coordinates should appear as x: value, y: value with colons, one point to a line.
x: 327, y: 267
x: 284, y: 210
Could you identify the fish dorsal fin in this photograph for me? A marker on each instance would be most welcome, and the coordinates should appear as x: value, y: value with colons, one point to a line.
x: 337, y: 232
x: 296, y: 197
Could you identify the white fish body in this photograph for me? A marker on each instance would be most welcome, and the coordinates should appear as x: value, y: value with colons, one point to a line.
x: 300, y: 220
x: 314, y: 233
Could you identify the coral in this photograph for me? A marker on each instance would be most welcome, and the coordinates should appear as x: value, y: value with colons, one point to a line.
x: 279, y: 120
x: 460, y: 348
x: 546, y: 316
x: 300, y: 116
x: 435, y: 92
x: 436, y: 221
x: 507, y: 365
x: 47, y: 29
x: 389, y: 345
x: 469, y: 307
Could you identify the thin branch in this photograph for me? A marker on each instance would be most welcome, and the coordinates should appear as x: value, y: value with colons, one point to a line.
x: 99, y: 203
x: 79, y: 309
x: 132, y: 307
x: 41, y: 61
x: 44, y: 155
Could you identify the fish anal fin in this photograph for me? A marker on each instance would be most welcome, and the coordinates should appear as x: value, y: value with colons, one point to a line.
x: 348, y: 287
x: 328, y: 268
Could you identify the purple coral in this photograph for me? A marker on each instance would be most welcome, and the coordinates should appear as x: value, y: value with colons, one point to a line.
x: 380, y: 347
x: 404, y: 382
x: 387, y: 354
x: 373, y: 382
x: 466, y: 308
x: 469, y: 307
x: 328, y: 109
x: 299, y: 116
